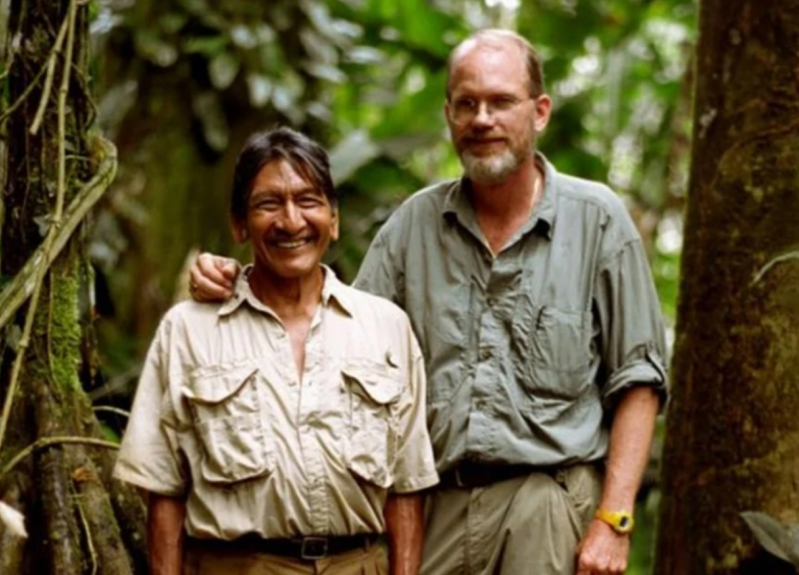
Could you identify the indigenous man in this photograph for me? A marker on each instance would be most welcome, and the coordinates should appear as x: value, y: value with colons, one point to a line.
x: 531, y: 296
x: 283, y: 430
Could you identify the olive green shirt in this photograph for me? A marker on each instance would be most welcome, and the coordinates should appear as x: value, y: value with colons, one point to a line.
x: 222, y: 417
x: 526, y: 351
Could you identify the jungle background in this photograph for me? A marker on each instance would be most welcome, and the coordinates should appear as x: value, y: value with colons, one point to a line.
x: 177, y: 85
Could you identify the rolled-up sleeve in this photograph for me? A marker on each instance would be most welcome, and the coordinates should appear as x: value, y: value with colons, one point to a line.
x: 632, y: 337
x: 149, y: 456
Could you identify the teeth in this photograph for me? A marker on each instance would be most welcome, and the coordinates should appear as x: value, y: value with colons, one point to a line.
x: 290, y: 245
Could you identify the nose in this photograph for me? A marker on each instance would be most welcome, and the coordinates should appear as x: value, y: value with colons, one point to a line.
x: 483, y: 116
x: 291, y: 220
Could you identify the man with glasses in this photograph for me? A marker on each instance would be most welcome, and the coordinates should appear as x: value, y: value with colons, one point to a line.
x: 530, y: 294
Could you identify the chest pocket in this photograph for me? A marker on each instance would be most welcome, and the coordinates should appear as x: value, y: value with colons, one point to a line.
x: 226, y: 409
x: 555, y: 349
x: 373, y: 388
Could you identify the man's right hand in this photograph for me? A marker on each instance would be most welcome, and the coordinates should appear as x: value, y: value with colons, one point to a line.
x: 212, y: 277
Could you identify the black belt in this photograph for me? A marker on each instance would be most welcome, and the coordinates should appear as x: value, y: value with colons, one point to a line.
x: 308, y: 548
x: 469, y: 474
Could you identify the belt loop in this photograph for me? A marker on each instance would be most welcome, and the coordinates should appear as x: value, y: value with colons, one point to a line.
x: 457, y: 477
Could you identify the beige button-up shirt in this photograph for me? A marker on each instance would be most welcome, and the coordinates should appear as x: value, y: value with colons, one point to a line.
x: 527, y: 350
x: 222, y: 417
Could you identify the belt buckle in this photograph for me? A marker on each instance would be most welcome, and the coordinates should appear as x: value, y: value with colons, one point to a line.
x: 313, y: 548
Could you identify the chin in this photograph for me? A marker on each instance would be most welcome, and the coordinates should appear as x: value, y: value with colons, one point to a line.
x: 489, y: 170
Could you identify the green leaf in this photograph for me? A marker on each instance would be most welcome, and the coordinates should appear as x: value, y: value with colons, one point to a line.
x: 260, y: 89
x: 208, y: 110
x: 325, y: 72
x: 152, y: 47
x: 244, y: 37
x: 172, y: 22
x: 352, y: 153
x: 222, y: 70
x: 208, y: 45
x: 773, y: 536
x: 317, y: 47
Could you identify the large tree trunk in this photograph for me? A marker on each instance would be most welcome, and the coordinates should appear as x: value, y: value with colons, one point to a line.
x: 62, y: 486
x: 732, y: 442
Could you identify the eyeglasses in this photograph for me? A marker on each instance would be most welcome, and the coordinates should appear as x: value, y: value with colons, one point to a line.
x: 464, y: 110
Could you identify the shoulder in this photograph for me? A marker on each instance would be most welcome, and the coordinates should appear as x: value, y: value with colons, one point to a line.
x: 187, y: 317
x: 423, y: 205
x: 595, y: 206
x: 589, y: 193
x: 365, y: 305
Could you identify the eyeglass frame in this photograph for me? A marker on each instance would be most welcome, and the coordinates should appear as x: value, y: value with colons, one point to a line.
x: 495, y: 106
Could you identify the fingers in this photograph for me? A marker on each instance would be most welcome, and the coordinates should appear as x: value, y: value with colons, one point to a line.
x: 229, y: 268
x: 602, y: 551
x: 212, y: 278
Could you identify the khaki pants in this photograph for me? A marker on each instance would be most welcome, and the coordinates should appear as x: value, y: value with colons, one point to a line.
x: 527, y: 525
x: 369, y: 561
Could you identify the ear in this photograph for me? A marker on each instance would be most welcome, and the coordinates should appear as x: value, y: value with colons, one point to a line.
x: 239, y: 232
x: 446, y: 113
x: 334, y: 225
x: 543, y: 110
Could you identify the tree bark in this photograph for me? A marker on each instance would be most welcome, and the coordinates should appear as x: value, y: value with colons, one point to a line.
x: 71, y: 524
x: 732, y: 438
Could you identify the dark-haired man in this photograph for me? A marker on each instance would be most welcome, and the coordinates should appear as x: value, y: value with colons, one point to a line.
x: 531, y: 296
x: 284, y: 430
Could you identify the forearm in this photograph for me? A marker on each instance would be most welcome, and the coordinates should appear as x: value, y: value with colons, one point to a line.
x: 165, y: 517
x: 630, y: 443
x: 405, y: 530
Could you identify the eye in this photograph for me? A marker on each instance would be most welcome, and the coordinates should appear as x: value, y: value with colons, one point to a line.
x: 309, y: 201
x: 465, y: 105
x: 504, y: 103
x: 265, y: 203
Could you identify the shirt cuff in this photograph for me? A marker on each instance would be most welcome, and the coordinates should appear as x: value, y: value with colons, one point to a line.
x: 131, y: 475
x: 647, y: 371
x: 415, y: 483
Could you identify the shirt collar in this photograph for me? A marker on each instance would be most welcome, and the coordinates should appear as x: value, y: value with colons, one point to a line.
x: 457, y: 203
x: 333, y: 290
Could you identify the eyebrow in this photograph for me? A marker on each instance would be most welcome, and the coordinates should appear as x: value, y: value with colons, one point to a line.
x: 281, y: 192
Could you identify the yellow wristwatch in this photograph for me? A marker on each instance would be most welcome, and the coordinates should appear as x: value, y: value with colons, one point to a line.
x: 621, y: 521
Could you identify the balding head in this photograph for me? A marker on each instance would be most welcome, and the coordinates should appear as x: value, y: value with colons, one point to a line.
x: 495, y: 38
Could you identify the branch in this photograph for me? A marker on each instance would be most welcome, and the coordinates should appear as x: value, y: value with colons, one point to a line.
x: 11, y: 109
x: 41, y: 270
x: 772, y: 263
x: 111, y: 409
x: 17, y: 291
x: 43, y: 442
x: 48, y: 81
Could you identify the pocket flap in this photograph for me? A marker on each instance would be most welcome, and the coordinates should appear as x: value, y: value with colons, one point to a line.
x: 375, y: 380
x: 211, y: 386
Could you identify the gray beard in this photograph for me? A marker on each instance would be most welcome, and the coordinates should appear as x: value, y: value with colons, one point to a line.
x: 489, y: 170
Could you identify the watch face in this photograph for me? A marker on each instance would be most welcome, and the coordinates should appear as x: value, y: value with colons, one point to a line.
x: 624, y: 523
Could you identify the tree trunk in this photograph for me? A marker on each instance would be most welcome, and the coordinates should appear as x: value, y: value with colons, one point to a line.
x: 732, y: 441
x: 61, y: 486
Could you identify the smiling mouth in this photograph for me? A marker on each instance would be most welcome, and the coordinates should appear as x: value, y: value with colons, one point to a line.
x: 291, y: 245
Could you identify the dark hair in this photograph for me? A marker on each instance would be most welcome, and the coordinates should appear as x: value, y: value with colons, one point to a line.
x: 535, y: 71
x: 307, y: 157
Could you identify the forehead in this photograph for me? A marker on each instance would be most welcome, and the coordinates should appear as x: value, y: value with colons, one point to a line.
x: 280, y: 176
x: 489, y: 67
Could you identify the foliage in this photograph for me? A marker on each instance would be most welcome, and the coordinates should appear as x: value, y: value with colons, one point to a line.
x: 780, y: 541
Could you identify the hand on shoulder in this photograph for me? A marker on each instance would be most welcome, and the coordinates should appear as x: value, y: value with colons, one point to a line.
x: 212, y: 277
